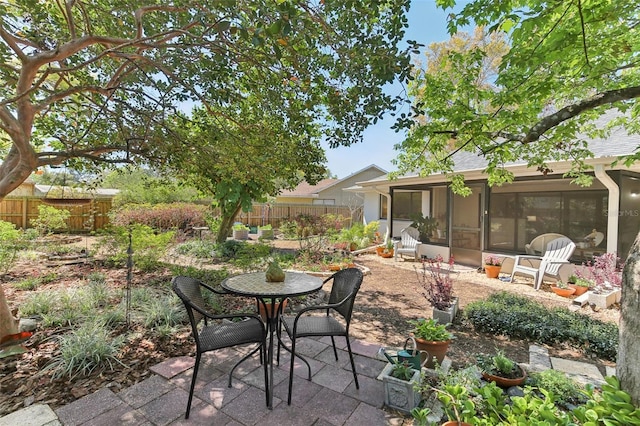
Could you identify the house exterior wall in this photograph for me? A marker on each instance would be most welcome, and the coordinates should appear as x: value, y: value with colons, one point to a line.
x: 344, y: 198
x: 294, y: 200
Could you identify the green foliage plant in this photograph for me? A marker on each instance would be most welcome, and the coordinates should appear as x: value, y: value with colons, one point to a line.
x: 611, y: 406
x: 402, y: 371
x: 86, y: 349
x: 565, y: 390
x: 508, y: 314
x: 424, y: 224
x: 30, y: 283
x: 289, y: 229
x: 11, y: 242
x: 51, y: 219
x: 200, y: 249
x: 148, y: 246
x: 499, y: 365
x: 266, y: 227
x: 430, y: 330
x: 240, y: 227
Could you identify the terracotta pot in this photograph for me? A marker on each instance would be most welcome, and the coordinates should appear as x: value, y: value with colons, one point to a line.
x: 334, y: 267
x: 434, y: 349
x: 580, y: 290
x: 503, y: 382
x: 379, y: 251
x: 492, y: 271
x: 387, y: 254
x: 262, y: 312
x: 564, y: 292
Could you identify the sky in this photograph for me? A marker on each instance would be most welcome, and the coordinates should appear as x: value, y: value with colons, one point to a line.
x: 427, y: 24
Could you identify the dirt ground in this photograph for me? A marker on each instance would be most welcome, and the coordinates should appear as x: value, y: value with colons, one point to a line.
x: 388, y: 299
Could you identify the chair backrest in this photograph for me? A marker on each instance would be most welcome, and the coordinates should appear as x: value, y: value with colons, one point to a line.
x: 558, y: 249
x: 598, y: 238
x: 409, y: 237
x: 345, y: 282
x: 188, y: 290
x: 539, y: 243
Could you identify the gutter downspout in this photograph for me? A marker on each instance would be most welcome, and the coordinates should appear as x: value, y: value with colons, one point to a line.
x: 387, y: 236
x: 613, y: 207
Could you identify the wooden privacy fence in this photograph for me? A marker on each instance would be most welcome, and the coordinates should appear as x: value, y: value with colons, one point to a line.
x: 90, y: 215
x: 93, y: 214
x: 275, y: 214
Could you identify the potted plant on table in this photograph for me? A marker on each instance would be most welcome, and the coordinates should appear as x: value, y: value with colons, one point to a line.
x: 562, y: 289
x: 501, y: 369
x: 492, y: 266
x: 437, y: 286
x: 401, y: 386
x: 432, y: 337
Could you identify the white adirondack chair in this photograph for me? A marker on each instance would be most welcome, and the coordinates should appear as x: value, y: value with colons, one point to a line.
x: 408, y: 244
x: 557, y: 254
x: 538, y: 245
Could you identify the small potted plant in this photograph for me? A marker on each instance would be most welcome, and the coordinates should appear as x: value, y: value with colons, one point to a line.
x: 432, y: 337
x: 501, y: 369
x: 437, y: 285
x: 562, y: 289
x: 240, y: 231
x: 388, y: 249
x: 581, y: 285
x: 425, y: 226
x: 401, y: 386
x: 492, y: 266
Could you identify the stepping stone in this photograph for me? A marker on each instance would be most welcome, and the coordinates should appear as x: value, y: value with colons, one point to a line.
x: 34, y: 415
x: 581, y: 372
x: 538, y: 359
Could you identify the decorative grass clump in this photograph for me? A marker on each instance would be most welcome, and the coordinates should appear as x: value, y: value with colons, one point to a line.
x: 515, y: 316
x: 88, y: 348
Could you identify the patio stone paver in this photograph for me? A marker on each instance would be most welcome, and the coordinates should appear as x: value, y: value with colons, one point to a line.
x: 173, y: 366
x: 579, y: 371
x: 217, y: 392
x: 303, y: 391
x: 364, y: 348
x: 371, y: 391
x: 330, y: 377
x: 205, y: 415
x: 34, y: 415
x: 145, y: 391
x: 249, y: 407
x: 122, y: 414
x: 167, y: 408
x: 88, y: 407
x: 331, y: 406
x: 327, y: 356
x: 367, y: 415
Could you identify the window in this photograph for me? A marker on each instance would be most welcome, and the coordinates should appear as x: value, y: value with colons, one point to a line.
x: 383, y: 207
x: 516, y: 218
x: 324, y: 202
x: 406, y: 204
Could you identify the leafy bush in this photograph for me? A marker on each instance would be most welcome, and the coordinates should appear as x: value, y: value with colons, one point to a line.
x: 161, y: 217
x: 243, y: 254
x: 197, y: 248
x: 515, y: 316
x: 565, y: 390
x: 612, y: 406
x: 148, y: 246
x: 289, y: 229
x: 51, y: 219
x: 12, y: 240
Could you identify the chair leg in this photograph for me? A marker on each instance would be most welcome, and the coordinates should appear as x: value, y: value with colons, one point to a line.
x: 353, y: 364
x: 244, y: 358
x: 266, y: 372
x: 193, y: 384
x: 335, y: 352
x: 293, y: 358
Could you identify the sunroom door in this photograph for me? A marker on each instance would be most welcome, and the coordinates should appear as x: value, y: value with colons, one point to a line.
x: 466, y: 226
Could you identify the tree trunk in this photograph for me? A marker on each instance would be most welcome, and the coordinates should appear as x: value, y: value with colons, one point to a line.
x: 226, y: 222
x: 628, y: 363
x: 8, y: 324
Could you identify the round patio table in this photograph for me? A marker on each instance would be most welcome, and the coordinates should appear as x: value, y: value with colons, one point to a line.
x: 255, y: 284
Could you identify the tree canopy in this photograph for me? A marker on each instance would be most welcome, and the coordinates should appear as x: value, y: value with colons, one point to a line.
x: 85, y: 82
x: 566, y: 64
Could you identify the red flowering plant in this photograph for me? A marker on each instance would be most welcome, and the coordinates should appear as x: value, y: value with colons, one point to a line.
x: 492, y: 260
x: 437, y: 282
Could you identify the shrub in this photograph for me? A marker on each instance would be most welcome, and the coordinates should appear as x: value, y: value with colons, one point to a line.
x: 197, y: 248
x: 161, y: 217
x: 515, y: 316
x: 51, y: 219
x: 12, y: 241
x: 148, y: 246
x: 564, y: 389
x: 289, y: 229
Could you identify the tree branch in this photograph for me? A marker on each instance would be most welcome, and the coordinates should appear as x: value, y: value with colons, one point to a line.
x: 584, y: 33
x: 573, y: 110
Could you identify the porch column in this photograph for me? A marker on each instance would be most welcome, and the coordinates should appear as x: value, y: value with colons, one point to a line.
x: 613, y: 208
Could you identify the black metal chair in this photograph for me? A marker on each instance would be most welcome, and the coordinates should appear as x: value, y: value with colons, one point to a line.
x: 335, y: 321
x: 219, y: 331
